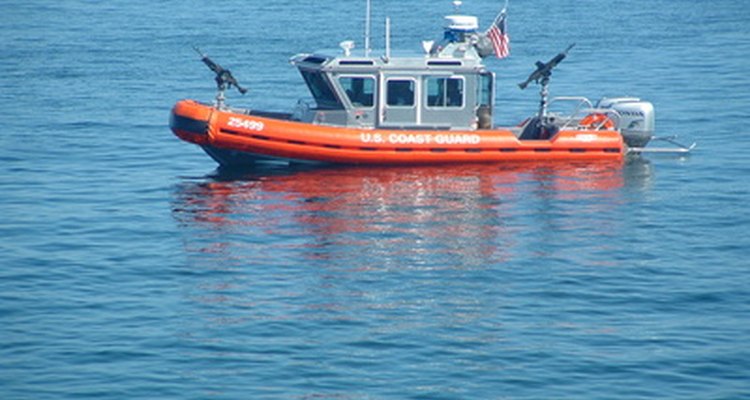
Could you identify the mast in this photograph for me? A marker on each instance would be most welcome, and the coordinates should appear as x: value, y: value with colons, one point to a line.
x: 368, y: 17
x: 387, y: 38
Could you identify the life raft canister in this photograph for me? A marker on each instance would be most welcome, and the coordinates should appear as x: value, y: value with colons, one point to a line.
x: 597, y: 121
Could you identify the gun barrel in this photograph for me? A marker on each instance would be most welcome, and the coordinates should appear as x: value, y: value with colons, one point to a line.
x: 559, y: 57
x: 556, y: 60
x: 209, y: 62
x: 545, y: 70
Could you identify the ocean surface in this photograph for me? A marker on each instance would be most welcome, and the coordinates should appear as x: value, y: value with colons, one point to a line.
x: 132, y: 268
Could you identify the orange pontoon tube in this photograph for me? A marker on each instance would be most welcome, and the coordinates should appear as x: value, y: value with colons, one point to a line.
x: 262, y: 138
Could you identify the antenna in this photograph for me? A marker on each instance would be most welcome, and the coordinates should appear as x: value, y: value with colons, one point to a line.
x: 457, y: 5
x: 388, y: 38
x: 368, y: 17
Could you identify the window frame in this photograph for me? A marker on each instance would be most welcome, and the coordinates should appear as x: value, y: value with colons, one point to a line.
x: 444, y: 96
x: 414, y: 101
x: 374, y: 80
x: 480, y: 89
x: 321, y: 99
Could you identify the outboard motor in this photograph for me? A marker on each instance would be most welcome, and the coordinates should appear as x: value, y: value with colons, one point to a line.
x: 636, y: 118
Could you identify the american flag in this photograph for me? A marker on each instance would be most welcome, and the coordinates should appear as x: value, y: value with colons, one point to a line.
x: 498, y: 34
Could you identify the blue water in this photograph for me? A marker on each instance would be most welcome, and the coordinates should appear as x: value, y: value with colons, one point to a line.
x: 133, y: 269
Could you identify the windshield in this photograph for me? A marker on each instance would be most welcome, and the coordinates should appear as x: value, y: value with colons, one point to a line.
x: 321, y: 90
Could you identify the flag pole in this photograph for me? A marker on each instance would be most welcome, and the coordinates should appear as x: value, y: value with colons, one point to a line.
x: 497, y: 34
x: 504, y: 11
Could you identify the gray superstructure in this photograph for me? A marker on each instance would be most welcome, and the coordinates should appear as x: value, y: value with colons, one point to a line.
x: 445, y: 88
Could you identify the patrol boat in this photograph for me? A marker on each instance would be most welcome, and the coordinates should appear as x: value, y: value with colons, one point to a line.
x: 430, y: 108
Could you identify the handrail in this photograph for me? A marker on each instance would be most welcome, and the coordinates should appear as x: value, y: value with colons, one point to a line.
x: 590, y: 110
x: 580, y: 99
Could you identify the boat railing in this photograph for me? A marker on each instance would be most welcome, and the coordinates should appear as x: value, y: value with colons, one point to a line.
x: 581, y: 101
x: 583, y: 107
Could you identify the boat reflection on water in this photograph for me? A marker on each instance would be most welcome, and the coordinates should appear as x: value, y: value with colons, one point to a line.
x: 332, y: 273
x: 456, y: 216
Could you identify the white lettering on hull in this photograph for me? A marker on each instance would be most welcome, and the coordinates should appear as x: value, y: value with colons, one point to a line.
x: 248, y: 124
x: 420, y: 138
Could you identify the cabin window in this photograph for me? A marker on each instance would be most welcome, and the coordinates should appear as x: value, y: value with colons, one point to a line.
x: 321, y: 90
x: 485, y: 89
x: 401, y: 93
x: 359, y: 90
x: 445, y: 92
x: 356, y: 62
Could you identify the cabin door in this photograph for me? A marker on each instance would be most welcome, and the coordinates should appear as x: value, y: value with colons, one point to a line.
x: 399, y: 101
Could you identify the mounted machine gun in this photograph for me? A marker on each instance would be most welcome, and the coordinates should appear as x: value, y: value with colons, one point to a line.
x: 541, y: 76
x: 224, y: 78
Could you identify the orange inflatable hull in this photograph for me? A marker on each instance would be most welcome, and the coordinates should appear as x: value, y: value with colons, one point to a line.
x: 234, y: 138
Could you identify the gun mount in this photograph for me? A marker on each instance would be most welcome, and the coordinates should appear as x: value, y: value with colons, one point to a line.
x: 541, y: 76
x: 224, y: 78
